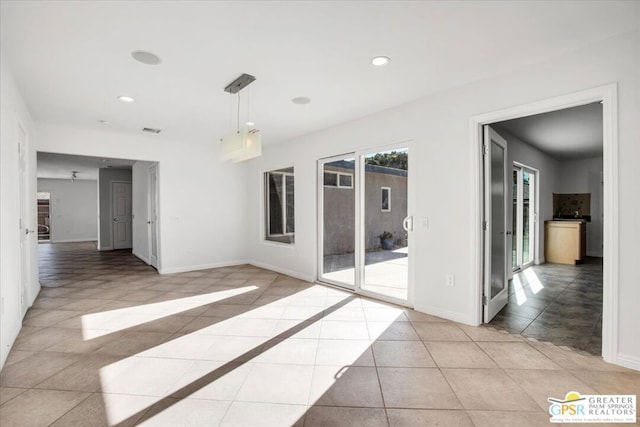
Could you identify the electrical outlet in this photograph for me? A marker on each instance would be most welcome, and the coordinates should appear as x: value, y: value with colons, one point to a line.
x: 451, y: 280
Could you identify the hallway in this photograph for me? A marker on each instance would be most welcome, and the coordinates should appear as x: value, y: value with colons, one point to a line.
x: 111, y: 342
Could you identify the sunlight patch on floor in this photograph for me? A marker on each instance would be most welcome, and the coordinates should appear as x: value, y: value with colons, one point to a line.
x: 521, y: 297
x: 534, y: 282
x: 240, y: 373
x: 98, y: 324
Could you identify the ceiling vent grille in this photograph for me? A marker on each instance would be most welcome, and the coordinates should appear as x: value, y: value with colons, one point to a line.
x: 152, y: 130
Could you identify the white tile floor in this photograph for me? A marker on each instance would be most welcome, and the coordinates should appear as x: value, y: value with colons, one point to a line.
x: 243, y: 346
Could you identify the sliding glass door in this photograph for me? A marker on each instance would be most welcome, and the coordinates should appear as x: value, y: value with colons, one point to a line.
x: 524, y: 217
x: 365, y: 227
x: 337, y: 216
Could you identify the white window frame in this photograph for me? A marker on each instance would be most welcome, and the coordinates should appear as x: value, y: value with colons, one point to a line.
x: 382, y: 209
x: 284, y: 204
x: 338, y: 175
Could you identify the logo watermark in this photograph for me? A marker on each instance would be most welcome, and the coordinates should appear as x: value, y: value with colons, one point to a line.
x: 593, y: 408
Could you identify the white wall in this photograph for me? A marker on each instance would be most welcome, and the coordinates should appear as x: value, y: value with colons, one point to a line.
x: 202, y: 214
x: 140, y: 208
x: 12, y: 110
x: 521, y: 152
x: 440, y: 127
x: 585, y: 176
x: 72, y: 209
x: 106, y: 177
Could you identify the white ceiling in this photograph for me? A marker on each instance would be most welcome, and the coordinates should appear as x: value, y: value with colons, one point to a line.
x: 571, y: 133
x: 60, y: 166
x: 72, y: 59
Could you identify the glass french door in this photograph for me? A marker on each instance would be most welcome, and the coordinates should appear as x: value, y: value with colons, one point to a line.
x: 524, y: 217
x: 364, y: 222
x: 496, y: 193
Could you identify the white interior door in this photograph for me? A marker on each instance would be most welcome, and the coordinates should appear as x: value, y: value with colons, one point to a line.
x: 495, y: 223
x: 365, y: 229
x: 25, y: 231
x: 152, y: 220
x: 121, y: 214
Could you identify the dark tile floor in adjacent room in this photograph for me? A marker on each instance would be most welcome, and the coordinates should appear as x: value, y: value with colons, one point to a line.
x: 556, y: 303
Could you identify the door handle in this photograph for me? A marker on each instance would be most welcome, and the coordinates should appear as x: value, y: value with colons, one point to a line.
x: 27, y: 231
x: 407, y: 223
x: 115, y: 220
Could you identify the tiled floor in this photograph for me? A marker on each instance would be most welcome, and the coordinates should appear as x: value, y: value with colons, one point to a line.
x: 556, y: 303
x: 113, y: 343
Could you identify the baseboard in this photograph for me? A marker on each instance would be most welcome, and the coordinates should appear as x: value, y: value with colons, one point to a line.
x: 187, y: 268
x: 106, y: 248
x: 93, y: 239
x: 628, y: 361
x: 141, y: 257
x: 284, y: 271
x: 447, y: 314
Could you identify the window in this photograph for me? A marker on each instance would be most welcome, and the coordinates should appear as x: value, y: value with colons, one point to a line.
x: 338, y: 179
x: 385, y: 205
x: 279, y: 206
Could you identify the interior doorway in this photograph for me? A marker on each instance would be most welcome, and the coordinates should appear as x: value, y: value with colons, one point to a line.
x: 44, y: 216
x: 365, y: 227
x: 529, y: 283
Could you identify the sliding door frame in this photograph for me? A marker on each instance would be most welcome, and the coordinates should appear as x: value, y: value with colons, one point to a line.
x: 359, y: 252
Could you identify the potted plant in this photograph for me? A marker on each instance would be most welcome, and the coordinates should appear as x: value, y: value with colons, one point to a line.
x: 386, y: 240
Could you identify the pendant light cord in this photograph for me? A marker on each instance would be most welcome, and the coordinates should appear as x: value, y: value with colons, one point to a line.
x: 238, y: 115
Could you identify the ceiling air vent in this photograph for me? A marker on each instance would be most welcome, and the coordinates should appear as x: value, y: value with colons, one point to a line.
x: 152, y: 130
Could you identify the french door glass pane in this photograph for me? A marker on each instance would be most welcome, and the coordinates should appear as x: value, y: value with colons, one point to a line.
x: 526, y: 217
x: 514, y: 236
x: 497, y: 219
x: 339, y: 224
x: 385, y: 241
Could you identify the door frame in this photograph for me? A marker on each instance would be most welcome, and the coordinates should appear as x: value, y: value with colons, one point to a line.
x: 608, y: 96
x: 152, y: 228
x: 360, y: 220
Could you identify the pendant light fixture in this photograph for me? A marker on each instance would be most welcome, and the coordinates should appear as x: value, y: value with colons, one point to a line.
x: 243, y: 143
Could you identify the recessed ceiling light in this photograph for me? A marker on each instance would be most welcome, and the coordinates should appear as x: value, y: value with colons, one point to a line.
x: 124, y: 98
x: 380, y: 61
x: 146, y: 57
x: 300, y: 100
x: 250, y: 124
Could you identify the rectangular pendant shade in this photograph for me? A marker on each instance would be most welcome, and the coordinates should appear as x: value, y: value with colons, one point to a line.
x: 241, y: 146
